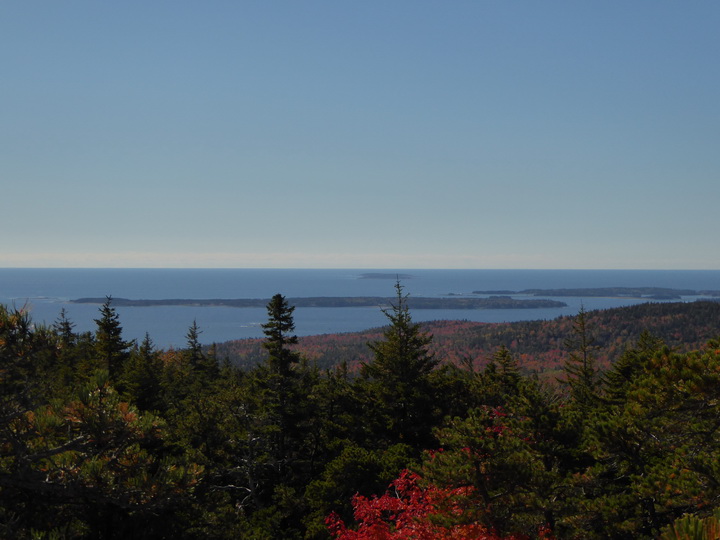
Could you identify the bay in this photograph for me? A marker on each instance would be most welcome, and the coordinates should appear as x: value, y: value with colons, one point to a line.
x: 46, y: 291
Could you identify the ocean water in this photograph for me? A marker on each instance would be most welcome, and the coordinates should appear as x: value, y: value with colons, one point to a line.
x: 46, y: 291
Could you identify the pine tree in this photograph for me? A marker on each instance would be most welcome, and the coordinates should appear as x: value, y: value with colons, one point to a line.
x: 19, y: 369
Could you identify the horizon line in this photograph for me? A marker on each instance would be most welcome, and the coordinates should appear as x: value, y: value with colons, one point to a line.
x: 368, y: 269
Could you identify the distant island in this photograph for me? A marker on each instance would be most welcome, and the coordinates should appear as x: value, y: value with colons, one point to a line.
x: 651, y: 293
x: 494, y: 302
x: 384, y: 275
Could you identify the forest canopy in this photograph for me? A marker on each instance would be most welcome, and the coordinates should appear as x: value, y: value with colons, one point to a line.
x: 105, y: 438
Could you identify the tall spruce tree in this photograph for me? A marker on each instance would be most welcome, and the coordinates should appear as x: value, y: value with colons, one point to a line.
x: 194, y: 348
x: 279, y: 335
x: 142, y: 377
x: 112, y: 351
x: 203, y: 366
x: 399, y: 386
x: 580, y: 369
x: 65, y: 329
x: 280, y: 383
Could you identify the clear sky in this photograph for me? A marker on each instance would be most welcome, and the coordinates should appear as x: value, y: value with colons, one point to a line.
x: 368, y: 134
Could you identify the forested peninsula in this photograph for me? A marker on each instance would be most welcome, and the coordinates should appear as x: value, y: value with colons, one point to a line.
x: 494, y: 302
x: 617, y: 437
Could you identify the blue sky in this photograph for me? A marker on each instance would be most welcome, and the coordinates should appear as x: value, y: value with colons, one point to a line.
x: 403, y: 134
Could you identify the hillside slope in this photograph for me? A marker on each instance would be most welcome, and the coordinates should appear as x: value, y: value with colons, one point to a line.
x: 537, y: 345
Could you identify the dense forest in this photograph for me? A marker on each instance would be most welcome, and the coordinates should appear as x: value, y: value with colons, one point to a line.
x: 602, y: 425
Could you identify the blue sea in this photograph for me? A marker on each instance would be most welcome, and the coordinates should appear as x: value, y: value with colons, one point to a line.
x: 46, y: 291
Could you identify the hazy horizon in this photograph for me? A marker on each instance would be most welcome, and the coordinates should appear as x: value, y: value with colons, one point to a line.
x: 359, y: 268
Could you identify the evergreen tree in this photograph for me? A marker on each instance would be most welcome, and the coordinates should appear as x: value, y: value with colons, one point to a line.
x: 28, y: 362
x: 500, y: 380
x: 64, y: 328
x: 507, y: 367
x: 629, y: 366
x: 277, y: 376
x: 281, y: 390
x: 400, y: 387
x: 276, y: 379
x: 580, y: 368
x: 67, y: 351
x: 194, y: 348
x: 203, y: 367
x: 656, y: 449
x: 142, y: 377
x: 278, y: 333
x: 495, y: 451
x: 91, y: 466
x: 110, y: 347
x: 210, y: 366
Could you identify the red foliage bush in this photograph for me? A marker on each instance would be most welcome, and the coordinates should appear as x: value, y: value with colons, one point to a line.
x: 409, y: 511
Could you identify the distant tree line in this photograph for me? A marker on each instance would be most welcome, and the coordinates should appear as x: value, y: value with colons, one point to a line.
x: 538, y: 346
x: 493, y: 302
